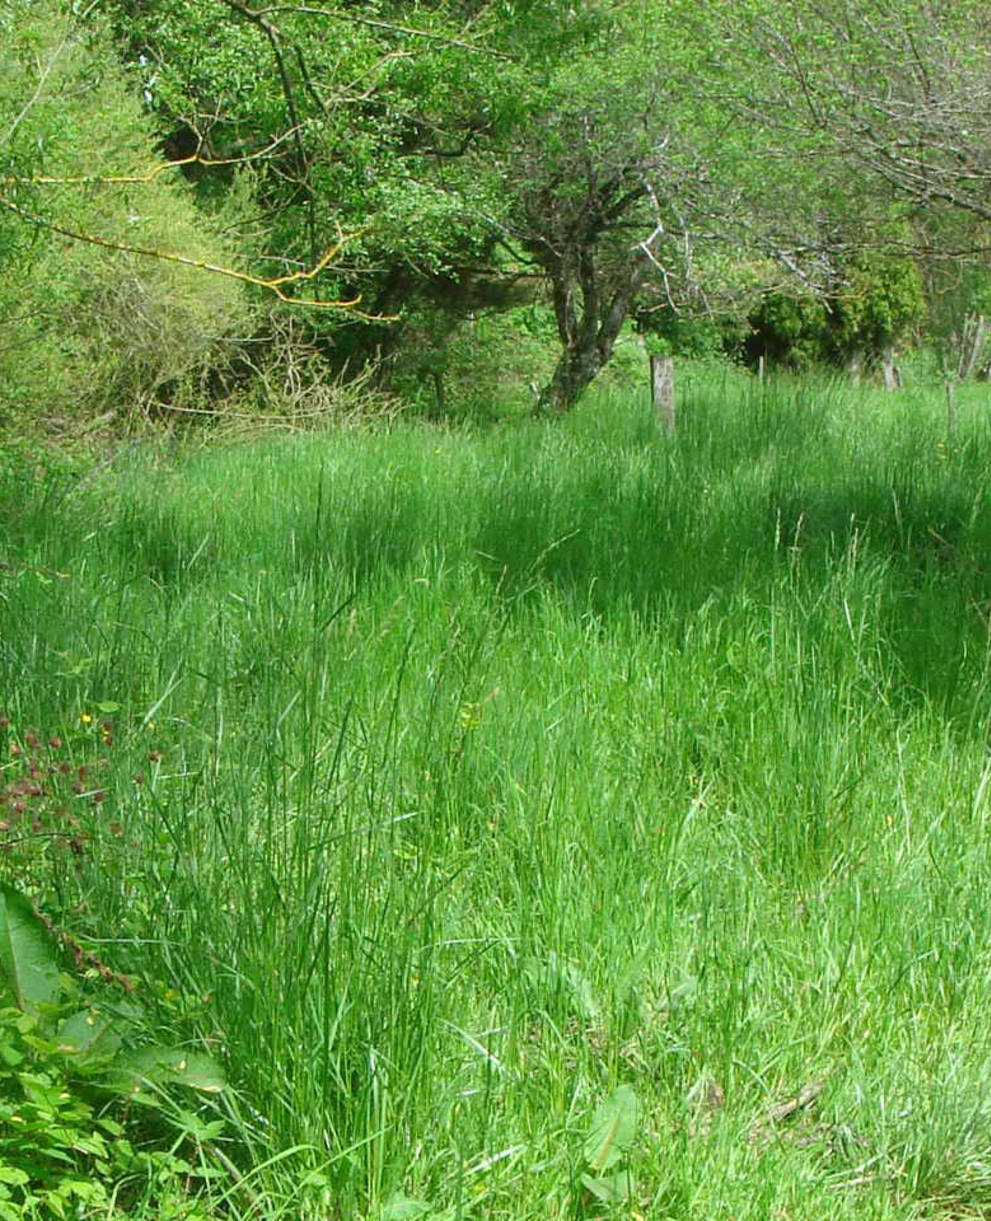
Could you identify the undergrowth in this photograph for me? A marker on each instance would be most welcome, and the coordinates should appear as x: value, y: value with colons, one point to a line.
x: 515, y: 784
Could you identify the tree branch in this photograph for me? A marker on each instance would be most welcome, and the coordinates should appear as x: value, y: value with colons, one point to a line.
x: 274, y: 285
x: 374, y: 23
x: 271, y: 32
x: 142, y: 179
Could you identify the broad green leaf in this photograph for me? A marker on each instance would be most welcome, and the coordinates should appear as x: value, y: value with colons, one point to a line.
x: 401, y: 1208
x: 611, y: 1188
x: 28, y: 966
x: 90, y: 1030
x: 613, y: 1129
x: 196, y: 1128
x: 164, y: 1066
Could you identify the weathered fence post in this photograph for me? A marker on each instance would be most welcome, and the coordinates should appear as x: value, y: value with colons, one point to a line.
x: 662, y: 391
x: 890, y: 373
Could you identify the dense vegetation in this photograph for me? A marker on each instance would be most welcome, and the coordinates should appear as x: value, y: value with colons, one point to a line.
x: 786, y: 182
x: 475, y: 803
x: 454, y: 788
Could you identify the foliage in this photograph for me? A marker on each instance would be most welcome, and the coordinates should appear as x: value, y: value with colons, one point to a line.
x: 64, y: 1147
x: 877, y: 301
x: 621, y: 154
x: 484, y: 367
x: 668, y: 333
x: 788, y: 329
x: 610, y: 179
x: 610, y: 1136
x: 898, y: 98
x: 505, y: 767
x: 371, y: 130
x: 958, y: 292
x: 578, y: 143
x: 87, y: 329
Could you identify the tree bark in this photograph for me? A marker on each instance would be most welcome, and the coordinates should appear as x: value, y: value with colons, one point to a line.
x: 972, y: 341
x: 438, y: 378
x: 588, y: 325
x: 574, y: 371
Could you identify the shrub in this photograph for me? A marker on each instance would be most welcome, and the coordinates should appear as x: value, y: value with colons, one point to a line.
x: 88, y: 329
x: 68, y: 1144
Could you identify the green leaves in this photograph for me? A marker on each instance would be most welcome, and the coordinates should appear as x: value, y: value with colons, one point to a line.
x: 609, y: 1140
x: 61, y: 1155
x: 614, y: 1126
x: 28, y: 966
x: 55, y: 1155
x: 30, y: 975
x: 160, y: 1067
x: 611, y: 1188
x: 89, y: 1030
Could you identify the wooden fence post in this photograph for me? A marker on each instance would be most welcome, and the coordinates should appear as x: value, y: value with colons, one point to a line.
x: 890, y: 373
x: 662, y: 391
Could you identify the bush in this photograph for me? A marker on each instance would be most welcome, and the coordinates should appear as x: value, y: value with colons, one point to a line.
x: 69, y: 1145
x: 477, y: 368
x: 88, y: 329
x: 877, y: 301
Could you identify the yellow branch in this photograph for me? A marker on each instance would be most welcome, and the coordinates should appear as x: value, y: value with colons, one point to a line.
x: 141, y: 179
x: 271, y: 285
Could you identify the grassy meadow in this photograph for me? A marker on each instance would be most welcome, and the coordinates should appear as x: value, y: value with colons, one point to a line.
x: 446, y: 783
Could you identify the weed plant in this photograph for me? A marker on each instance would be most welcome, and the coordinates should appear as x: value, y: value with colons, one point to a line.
x: 504, y: 778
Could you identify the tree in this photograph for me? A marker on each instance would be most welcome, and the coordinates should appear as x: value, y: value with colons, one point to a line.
x: 375, y: 117
x: 892, y: 100
x: 578, y: 216
x: 589, y: 143
x: 891, y: 105
x: 422, y: 137
x: 622, y: 175
x: 875, y: 301
x: 902, y: 90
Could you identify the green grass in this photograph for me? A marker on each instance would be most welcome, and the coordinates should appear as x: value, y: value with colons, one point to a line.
x: 499, y: 770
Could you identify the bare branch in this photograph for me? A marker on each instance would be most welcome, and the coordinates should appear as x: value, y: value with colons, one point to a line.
x: 137, y: 179
x: 274, y: 285
x: 374, y: 23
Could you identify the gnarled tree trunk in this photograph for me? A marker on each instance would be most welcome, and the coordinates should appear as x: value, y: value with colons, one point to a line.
x: 590, y: 308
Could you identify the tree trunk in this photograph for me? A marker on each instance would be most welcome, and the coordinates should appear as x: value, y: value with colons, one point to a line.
x: 574, y: 371
x: 438, y: 377
x: 972, y: 342
x: 588, y: 330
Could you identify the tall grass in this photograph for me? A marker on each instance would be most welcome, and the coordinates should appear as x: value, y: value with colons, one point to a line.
x: 499, y: 769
